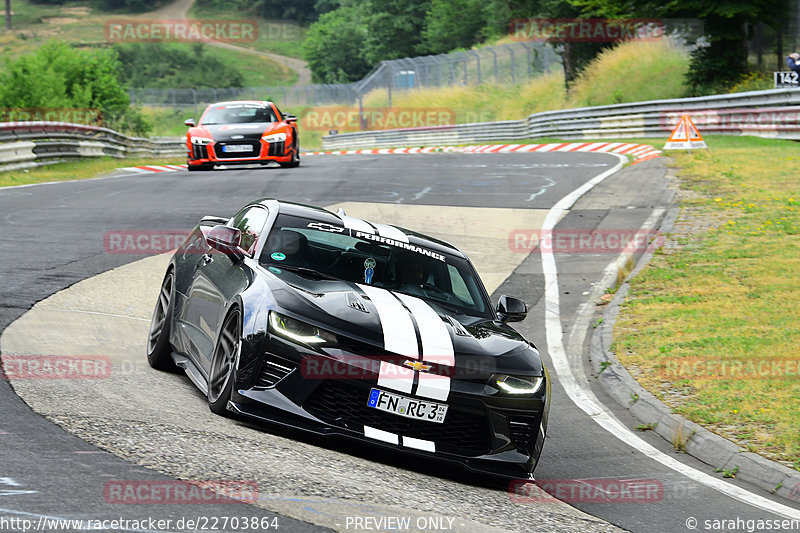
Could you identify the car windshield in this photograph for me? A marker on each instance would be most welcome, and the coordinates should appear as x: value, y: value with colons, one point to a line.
x: 238, y: 114
x: 318, y: 249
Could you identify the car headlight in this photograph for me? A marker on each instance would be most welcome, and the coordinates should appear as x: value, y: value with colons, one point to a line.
x: 201, y: 141
x: 301, y: 332
x: 517, y: 386
x: 274, y: 138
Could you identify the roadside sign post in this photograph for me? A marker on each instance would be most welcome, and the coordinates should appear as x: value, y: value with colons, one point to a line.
x: 685, y: 136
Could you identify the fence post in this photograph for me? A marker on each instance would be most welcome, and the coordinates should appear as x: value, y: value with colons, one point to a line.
x: 513, y: 65
x: 478, y: 57
x: 491, y: 49
x: 530, y: 60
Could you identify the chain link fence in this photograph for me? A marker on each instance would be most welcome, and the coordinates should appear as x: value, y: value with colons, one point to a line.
x: 510, y: 63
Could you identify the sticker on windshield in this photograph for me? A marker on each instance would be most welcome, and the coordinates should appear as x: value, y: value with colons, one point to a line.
x: 275, y: 270
x: 369, y: 270
x: 278, y: 256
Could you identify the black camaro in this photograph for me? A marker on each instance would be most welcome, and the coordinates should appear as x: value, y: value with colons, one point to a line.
x: 295, y: 315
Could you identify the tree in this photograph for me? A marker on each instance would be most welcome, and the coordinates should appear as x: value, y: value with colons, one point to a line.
x: 394, y: 28
x: 8, y: 15
x: 723, y: 59
x: 451, y: 24
x: 334, y: 46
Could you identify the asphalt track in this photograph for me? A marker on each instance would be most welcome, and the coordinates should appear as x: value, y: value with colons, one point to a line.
x: 53, y: 238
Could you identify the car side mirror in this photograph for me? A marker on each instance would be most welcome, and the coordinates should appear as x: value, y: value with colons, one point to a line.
x: 226, y: 240
x: 510, y: 309
x: 189, y: 122
x: 290, y: 118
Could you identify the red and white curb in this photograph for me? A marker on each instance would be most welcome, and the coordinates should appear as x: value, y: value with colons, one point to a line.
x: 155, y: 168
x: 639, y: 152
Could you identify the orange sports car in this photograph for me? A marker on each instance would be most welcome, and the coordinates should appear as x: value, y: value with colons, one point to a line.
x: 240, y: 133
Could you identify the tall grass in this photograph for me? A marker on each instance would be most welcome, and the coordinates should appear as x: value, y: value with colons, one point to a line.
x: 632, y: 72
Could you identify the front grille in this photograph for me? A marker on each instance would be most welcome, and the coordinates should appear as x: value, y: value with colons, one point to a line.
x: 277, y: 148
x: 343, y: 404
x: 199, y: 152
x: 273, y: 370
x: 523, y: 433
x: 255, y: 150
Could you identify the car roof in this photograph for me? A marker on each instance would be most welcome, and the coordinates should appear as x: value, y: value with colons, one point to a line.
x: 229, y: 102
x: 341, y: 219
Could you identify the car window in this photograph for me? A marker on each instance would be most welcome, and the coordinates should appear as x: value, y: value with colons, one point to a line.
x: 239, y: 114
x: 250, y: 221
x: 337, y: 252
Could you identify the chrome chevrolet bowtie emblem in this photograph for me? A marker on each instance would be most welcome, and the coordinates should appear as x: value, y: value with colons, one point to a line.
x: 419, y: 366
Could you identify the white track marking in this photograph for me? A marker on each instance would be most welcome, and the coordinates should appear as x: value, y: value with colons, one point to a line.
x: 585, y: 399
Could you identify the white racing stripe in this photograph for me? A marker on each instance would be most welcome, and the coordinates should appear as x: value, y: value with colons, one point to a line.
x: 379, y: 434
x: 433, y: 386
x: 437, y: 345
x: 399, y: 378
x: 391, y: 232
x: 356, y: 224
x: 419, y: 444
x: 585, y: 399
x: 399, y: 335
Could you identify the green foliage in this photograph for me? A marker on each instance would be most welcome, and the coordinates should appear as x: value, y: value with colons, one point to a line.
x: 334, y: 47
x: 723, y: 60
x: 130, y: 6
x: 57, y: 75
x: 451, y: 24
x: 301, y: 11
x: 163, y: 65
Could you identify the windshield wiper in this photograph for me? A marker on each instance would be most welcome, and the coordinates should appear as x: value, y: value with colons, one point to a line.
x: 305, y: 270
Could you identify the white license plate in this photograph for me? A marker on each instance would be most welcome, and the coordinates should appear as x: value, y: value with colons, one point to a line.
x: 237, y: 148
x: 407, y: 407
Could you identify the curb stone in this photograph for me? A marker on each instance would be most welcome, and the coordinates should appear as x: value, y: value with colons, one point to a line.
x: 710, y: 448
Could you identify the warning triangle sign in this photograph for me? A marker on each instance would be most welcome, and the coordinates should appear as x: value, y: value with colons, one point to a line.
x: 685, y: 136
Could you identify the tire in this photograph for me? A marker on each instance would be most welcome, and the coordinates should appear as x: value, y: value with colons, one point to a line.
x: 159, y: 349
x: 196, y: 168
x: 226, y: 350
x: 295, y: 162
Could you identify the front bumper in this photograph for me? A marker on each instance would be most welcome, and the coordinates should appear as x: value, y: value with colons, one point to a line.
x: 216, y: 153
x: 500, y: 436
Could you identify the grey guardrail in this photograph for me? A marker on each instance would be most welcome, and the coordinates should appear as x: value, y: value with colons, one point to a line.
x: 771, y: 113
x: 29, y: 144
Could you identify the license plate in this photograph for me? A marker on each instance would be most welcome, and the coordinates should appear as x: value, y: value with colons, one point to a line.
x: 407, y: 407
x: 237, y: 148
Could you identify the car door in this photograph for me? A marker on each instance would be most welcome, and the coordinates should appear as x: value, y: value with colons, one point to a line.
x: 216, y: 281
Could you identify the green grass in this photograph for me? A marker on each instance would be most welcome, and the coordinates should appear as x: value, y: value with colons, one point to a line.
x: 78, y: 23
x: 78, y: 169
x: 729, y: 295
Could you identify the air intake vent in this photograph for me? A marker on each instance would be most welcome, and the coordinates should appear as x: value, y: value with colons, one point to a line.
x: 356, y: 302
x: 459, y: 329
x: 273, y: 370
